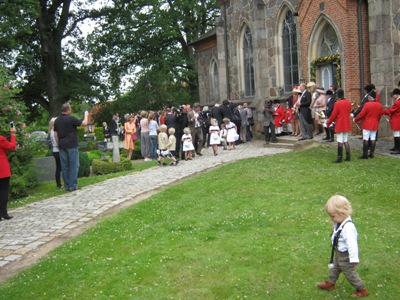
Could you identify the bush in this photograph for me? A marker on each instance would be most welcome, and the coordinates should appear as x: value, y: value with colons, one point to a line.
x: 94, y: 154
x: 23, y: 171
x: 84, y: 164
x: 100, y: 167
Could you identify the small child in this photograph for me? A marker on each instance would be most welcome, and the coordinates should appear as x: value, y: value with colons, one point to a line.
x: 223, y: 134
x: 162, y: 145
x: 187, y: 143
x: 214, y: 136
x: 344, y: 247
x: 172, y: 147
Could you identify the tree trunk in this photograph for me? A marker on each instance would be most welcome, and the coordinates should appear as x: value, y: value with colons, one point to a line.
x: 51, y: 37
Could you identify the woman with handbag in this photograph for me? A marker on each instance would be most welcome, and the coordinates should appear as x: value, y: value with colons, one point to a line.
x: 130, y: 134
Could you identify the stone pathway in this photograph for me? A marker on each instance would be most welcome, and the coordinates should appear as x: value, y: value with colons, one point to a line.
x: 39, y: 227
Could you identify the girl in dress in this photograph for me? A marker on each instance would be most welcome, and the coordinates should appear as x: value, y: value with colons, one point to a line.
x: 231, y: 136
x: 187, y: 143
x: 129, y: 129
x: 214, y: 136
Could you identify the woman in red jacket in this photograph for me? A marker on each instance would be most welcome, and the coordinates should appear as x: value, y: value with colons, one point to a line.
x: 5, y: 172
x: 394, y: 113
x: 341, y: 117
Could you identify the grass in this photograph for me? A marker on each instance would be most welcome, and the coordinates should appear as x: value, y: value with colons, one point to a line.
x: 47, y: 189
x: 253, y: 229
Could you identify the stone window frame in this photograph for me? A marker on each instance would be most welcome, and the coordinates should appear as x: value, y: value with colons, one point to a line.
x: 314, y: 50
x: 280, y: 64
x: 214, y: 80
x: 246, y: 61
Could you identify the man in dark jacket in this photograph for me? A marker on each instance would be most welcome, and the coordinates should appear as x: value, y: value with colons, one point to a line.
x: 305, y: 114
x: 216, y: 114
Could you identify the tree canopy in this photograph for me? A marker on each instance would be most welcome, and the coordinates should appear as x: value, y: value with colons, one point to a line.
x: 87, y: 50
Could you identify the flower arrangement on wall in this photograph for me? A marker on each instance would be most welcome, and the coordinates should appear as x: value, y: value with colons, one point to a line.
x: 333, y: 59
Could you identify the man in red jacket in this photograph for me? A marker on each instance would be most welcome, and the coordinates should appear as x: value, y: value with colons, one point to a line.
x: 341, y: 117
x: 370, y: 116
x: 394, y: 113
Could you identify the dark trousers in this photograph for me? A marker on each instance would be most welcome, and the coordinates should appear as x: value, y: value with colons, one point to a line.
x: 56, y: 156
x: 270, y: 135
x: 4, y: 192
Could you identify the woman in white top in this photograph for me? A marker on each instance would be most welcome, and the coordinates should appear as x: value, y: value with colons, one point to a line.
x: 56, y: 153
x: 145, y: 136
x: 153, y: 132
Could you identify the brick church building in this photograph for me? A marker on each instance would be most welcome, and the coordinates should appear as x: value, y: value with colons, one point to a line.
x: 260, y: 49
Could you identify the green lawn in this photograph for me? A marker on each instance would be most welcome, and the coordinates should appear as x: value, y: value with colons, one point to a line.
x: 253, y: 229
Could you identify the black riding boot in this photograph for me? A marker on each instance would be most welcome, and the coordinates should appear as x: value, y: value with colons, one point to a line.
x: 365, y: 150
x: 397, y: 146
x: 347, y: 147
x: 332, y: 131
x: 372, y: 149
x: 394, y: 145
x: 339, y: 154
x: 328, y: 136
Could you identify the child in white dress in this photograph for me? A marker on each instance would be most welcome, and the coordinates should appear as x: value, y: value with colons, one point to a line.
x: 187, y: 143
x: 232, y: 135
x: 214, y: 136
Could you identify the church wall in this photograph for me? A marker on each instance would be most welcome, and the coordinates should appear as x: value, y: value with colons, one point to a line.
x: 380, y: 37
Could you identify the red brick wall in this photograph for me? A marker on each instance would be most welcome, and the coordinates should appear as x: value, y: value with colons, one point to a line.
x: 344, y: 14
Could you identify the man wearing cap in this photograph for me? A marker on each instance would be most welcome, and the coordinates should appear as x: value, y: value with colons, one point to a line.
x: 367, y: 90
x: 341, y: 117
x: 305, y: 113
x: 370, y: 116
x: 394, y: 113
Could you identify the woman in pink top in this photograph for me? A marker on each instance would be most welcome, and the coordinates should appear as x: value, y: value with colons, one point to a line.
x: 145, y: 136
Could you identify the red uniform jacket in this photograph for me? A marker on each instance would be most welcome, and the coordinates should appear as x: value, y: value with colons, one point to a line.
x: 5, y: 146
x: 279, y: 115
x: 341, y: 116
x: 370, y: 115
x: 394, y: 113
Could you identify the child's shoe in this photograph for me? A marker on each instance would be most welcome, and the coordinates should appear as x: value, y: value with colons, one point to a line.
x: 361, y: 293
x: 326, y: 286
x: 158, y: 162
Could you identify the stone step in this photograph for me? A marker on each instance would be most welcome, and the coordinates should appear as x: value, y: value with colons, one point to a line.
x: 280, y: 145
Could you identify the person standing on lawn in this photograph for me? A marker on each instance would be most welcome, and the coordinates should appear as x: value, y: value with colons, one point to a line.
x: 5, y: 171
x: 66, y: 136
x: 370, y: 116
x: 341, y: 117
x: 394, y: 113
x: 344, y: 257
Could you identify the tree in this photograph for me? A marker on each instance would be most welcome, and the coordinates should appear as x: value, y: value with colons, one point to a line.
x: 43, y: 43
x: 154, y: 35
x: 10, y: 109
x: 35, y: 42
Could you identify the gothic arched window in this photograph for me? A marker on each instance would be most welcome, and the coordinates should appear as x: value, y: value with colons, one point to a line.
x: 330, y: 43
x: 214, y: 82
x: 248, y: 64
x: 290, y: 59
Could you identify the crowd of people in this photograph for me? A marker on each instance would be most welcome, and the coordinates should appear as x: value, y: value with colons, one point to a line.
x: 312, y: 111
x: 182, y: 132
x: 309, y: 111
